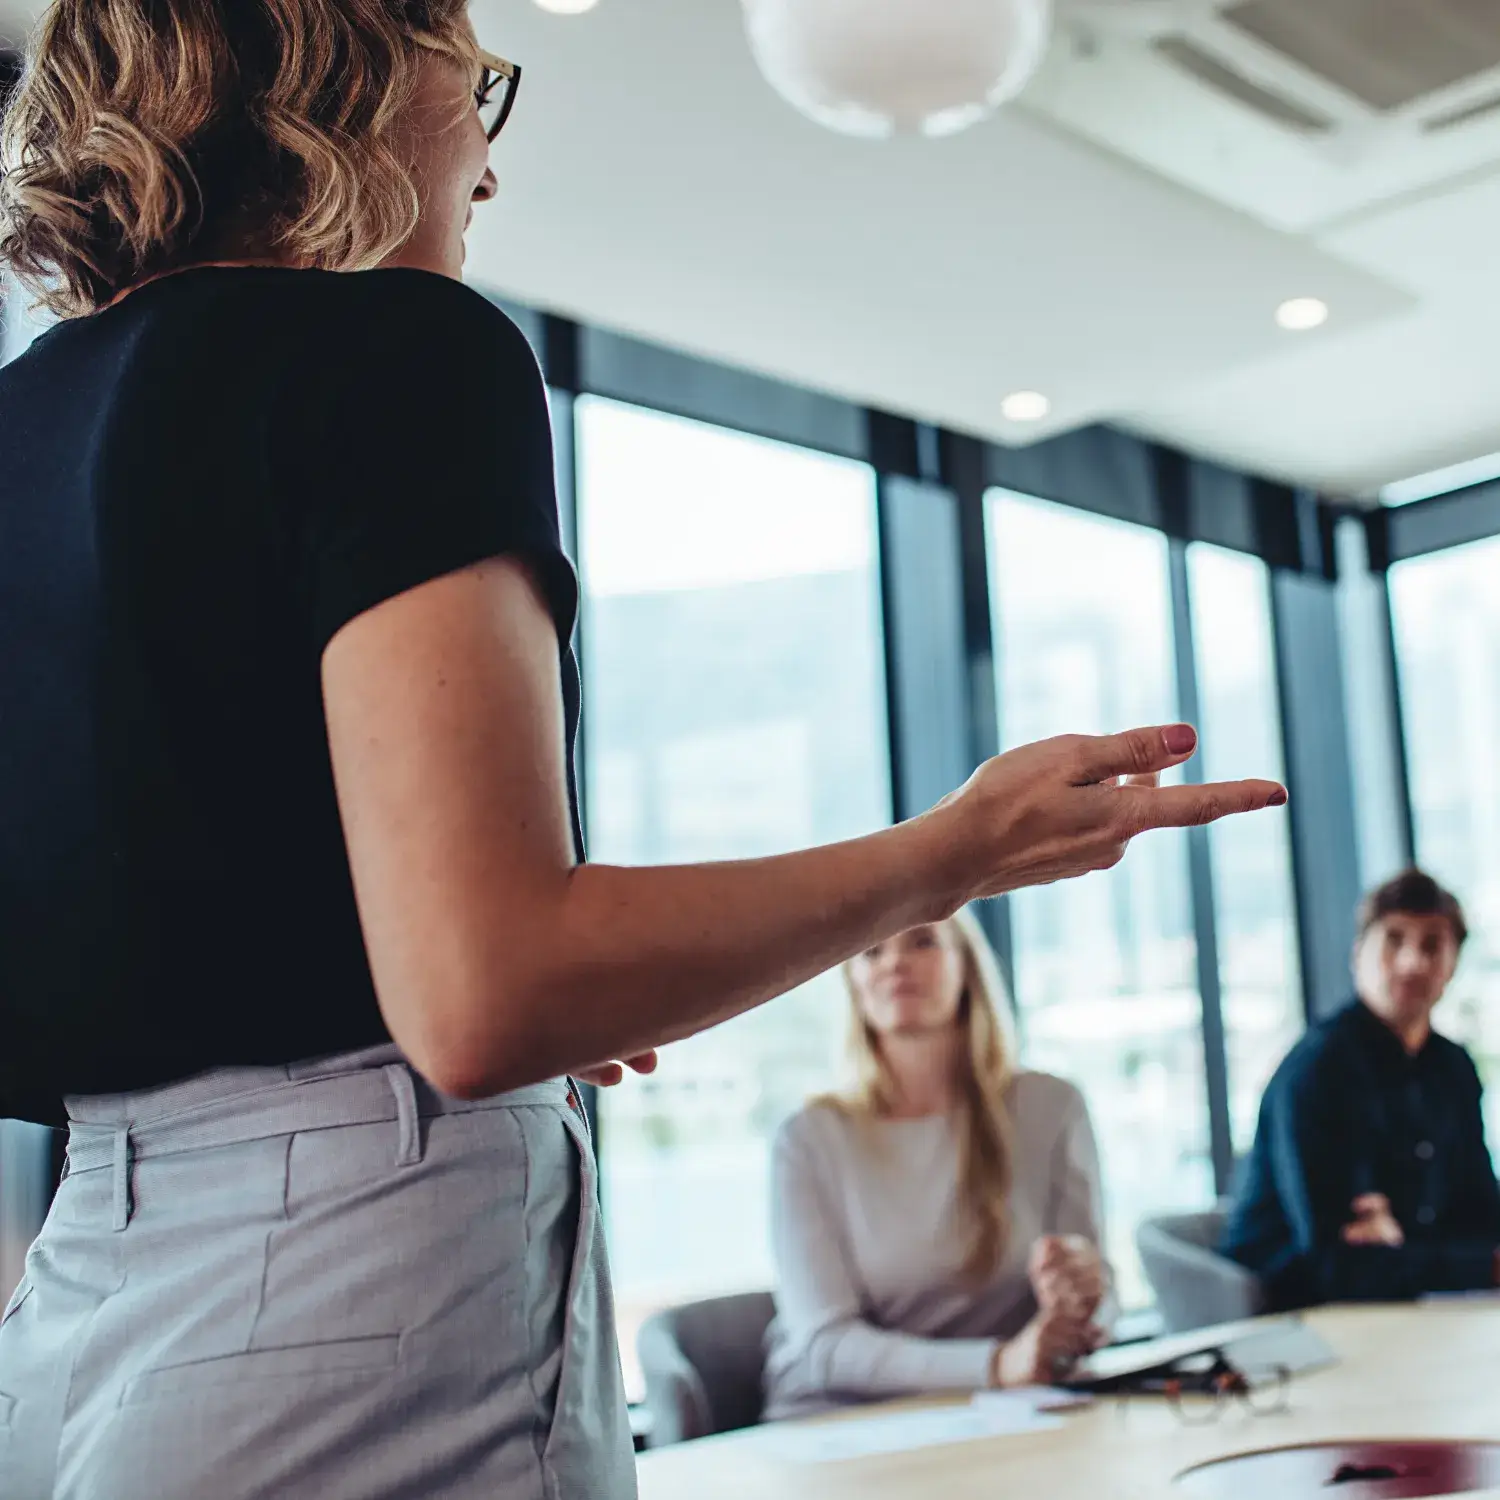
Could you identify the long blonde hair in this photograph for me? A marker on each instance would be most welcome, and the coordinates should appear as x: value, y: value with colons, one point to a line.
x: 148, y: 134
x: 986, y: 1068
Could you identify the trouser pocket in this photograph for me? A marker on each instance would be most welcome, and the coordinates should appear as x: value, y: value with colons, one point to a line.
x: 17, y: 1297
x: 588, y: 1453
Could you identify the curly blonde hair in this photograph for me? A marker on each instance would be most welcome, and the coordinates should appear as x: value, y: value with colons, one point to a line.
x: 145, y: 135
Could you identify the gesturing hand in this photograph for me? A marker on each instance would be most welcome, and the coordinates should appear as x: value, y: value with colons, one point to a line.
x: 607, y: 1075
x: 1063, y: 807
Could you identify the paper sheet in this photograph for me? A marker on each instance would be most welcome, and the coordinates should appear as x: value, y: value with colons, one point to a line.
x: 1035, y: 1400
x: 991, y: 1414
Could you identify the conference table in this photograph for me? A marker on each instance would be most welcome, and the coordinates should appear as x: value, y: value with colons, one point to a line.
x: 1423, y: 1372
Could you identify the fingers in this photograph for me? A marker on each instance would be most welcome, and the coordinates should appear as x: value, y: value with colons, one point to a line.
x: 1362, y: 1233
x: 1071, y: 1252
x: 1194, y: 806
x: 605, y: 1076
x: 1137, y: 752
x: 1064, y: 1340
x: 1080, y: 1249
x: 1067, y: 1277
x: 1078, y: 1339
x: 1071, y: 1297
x: 1140, y: 755
x: 1374, y: 1222
x: 1049, y: 1251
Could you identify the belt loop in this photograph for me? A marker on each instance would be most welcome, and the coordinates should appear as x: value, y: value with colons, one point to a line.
x: 408, y: 1127
x: 122, y: 1177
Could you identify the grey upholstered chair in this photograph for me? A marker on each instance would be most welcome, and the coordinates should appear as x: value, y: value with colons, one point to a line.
x: 704, y: 1366
x: 1195, y: 1286
x: 25, y: 1190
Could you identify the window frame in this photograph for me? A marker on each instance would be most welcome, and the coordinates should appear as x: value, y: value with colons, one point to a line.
x: 936, y: 605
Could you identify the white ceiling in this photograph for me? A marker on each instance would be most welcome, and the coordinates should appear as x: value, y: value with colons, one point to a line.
x: 652, y: 182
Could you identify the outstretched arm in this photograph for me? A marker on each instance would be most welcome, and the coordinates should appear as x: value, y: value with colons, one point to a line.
x: 497, y: 961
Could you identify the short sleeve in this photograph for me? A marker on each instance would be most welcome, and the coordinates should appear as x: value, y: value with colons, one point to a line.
x: 416, y: 441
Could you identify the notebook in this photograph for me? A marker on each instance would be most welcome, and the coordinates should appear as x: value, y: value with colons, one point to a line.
x: 1270, y: 1347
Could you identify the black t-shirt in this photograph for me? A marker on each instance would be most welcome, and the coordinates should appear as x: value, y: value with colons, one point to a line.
x: 198, y: 487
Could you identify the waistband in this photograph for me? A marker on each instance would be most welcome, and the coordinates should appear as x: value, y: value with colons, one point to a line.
x: 230, y: 1107
x: 217, y: 1084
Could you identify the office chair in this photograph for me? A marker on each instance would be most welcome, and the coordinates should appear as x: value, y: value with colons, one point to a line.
x: 1195, y: 1286
x: 704, y: 1366
x: 26, y: 1153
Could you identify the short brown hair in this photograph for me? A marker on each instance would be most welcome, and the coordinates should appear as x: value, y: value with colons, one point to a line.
x: 145, y: 135
x: 1415, y: 893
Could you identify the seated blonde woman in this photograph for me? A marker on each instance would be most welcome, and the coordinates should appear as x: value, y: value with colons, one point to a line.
x: 936, y: 1228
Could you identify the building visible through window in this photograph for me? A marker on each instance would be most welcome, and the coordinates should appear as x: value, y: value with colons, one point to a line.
x: 1105, y: 966
x: 734, y: 707
x: 1260, y: 979
x: 1446, y: 613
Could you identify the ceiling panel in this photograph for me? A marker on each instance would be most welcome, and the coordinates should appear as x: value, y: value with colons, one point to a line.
x: 653, y: 183
x: 1385, y: 52
x: 1354, y: 413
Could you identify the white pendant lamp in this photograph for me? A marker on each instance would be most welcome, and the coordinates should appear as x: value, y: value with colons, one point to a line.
x: 875, y: 67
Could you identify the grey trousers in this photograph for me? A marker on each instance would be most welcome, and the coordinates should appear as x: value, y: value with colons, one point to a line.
x: 323, y: 1282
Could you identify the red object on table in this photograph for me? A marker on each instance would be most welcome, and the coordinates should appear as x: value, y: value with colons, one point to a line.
x: 1348, y: 1471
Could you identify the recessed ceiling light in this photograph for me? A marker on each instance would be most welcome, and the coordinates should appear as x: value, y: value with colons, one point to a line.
x: 1025, y: 406
x: 1298, y: 314
x: 567, y: 7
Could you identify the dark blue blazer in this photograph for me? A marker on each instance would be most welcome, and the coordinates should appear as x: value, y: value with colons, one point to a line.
x: 1350, y: 1112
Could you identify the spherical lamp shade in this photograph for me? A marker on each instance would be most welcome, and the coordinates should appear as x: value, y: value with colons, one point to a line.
x: 875, y: 67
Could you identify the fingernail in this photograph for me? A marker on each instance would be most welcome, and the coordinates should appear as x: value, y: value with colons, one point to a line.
x: 1277, y: 798
x: 1179, y: 738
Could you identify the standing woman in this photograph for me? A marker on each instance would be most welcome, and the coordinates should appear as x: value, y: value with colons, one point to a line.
x: 294, y: 931
x: 937, y: 1227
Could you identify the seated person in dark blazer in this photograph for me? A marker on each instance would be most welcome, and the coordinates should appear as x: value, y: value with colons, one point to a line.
x: 1370, y: 1179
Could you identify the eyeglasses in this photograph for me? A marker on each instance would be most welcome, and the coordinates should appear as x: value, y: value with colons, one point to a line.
x: 495, y: 96
x: 1261, y: 1393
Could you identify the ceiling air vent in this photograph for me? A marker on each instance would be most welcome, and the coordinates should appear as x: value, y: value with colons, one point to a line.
x: 1483, y: 109
x: 1302, y: 112
x: 1207, y: 68
x: 1386, y: 53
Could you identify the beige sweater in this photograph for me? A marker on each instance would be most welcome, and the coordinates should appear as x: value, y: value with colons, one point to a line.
x: 869, y: 1243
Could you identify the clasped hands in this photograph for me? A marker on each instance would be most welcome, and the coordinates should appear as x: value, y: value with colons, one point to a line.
x: 1068, y: 1280
x: 1374, y: 1222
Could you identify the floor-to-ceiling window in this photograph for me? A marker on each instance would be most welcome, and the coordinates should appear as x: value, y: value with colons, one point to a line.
x: 1446, y: 614
x: 1254, y: 901
x: 1105, y: 966
x: 734, y: 706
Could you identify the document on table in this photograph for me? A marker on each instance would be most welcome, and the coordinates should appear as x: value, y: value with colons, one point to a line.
x: 1033, y: 1400
x: 991, y: 1414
